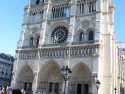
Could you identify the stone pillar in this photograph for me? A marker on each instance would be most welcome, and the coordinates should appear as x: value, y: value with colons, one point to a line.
x: 21, y: 40
x: 29, y: 2
x: 67, y: 87
x: 14, y: 77
x: 63, y: 84
x: 44, y: 26
x: 85, y: 37
x: 35, y: 84
x: 72, y: 22
x: 86, y: 7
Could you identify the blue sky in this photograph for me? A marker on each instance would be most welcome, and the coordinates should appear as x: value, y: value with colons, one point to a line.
x: 11, y: 17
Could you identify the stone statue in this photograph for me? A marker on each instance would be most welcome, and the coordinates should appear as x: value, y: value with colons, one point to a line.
x: 35, y: 76
x: 13, y: 76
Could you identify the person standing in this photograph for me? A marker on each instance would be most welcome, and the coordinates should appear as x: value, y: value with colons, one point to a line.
x: 0, y: 91
x: 44, y: 92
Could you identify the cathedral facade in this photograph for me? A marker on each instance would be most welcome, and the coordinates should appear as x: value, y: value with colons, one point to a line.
x: 74, y: 33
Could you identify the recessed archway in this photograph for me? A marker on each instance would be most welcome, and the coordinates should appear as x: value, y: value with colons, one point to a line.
x: 25, y: 78
x: 50, y: 78
x: 81, y: 79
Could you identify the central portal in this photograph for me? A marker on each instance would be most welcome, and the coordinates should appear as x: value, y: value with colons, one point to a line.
x: 28, y: 86
x: 82, y: 89
x: 79, y: 88
x: 54, y: 88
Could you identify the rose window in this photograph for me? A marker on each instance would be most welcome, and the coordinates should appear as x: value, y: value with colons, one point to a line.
x: 59, y: 34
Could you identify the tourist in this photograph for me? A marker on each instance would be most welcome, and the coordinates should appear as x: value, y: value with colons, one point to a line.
x: 41, y: 92
x: 32, y: 92
x: 0, y: 91
x: 10, y: 92
x: 44, y: 92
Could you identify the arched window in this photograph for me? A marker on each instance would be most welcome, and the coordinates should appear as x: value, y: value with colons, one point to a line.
x: 81, y: 7
x: 31, y: 41
x: 60, y: 11
x: 37, y: 42
x: 91, y: 35
x: 81, y: 36
x: 37, y: 2
x: 90, y: 7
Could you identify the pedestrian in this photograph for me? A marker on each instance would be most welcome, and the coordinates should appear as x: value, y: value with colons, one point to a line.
x: 10, y: 92
x: 0, y: 91
x: 44, y: 92
x: 41, y: 92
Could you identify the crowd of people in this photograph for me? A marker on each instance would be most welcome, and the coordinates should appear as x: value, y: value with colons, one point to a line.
x: 19, y: 91
x: 9, y: 90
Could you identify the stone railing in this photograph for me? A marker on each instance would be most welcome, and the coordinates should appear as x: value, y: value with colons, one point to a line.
x: 61, y: 44
x: 60, y: 52
x: 32, y: 47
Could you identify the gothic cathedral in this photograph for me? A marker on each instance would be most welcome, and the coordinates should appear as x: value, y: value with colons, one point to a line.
x: 74, y: 33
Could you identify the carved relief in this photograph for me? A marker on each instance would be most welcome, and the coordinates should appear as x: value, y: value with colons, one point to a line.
x: 92, y: 18
x: 34, y: 31
x: 77, y: 20
x: 85, y: 25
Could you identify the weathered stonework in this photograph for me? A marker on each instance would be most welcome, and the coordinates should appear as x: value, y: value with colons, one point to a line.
x: 90, y: 48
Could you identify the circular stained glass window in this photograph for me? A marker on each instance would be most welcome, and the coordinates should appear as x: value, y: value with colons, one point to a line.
x: 59, y: 34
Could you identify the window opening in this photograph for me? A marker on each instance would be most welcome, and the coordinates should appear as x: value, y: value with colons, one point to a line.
x: 91, y: 35
x: 31, y: 41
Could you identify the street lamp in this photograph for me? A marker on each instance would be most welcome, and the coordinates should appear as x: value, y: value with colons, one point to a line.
x: 115, y: 89
x: 97, y: 85
x: 66, y: 75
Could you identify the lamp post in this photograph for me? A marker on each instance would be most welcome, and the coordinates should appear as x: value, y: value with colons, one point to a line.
x: 66, y: 75
x: 115, y: 89
x: 97, y: 85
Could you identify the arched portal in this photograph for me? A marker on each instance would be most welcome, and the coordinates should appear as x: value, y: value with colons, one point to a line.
x: 81, y: 79
x: 50, y: 78
x: 25, y: 78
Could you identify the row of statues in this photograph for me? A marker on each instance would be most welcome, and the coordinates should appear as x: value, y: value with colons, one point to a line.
x: 62, y: 52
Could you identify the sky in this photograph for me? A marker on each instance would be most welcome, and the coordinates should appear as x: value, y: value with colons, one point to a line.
x: 11, y: 17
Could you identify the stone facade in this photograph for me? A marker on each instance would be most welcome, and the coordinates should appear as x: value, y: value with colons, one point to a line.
x: 77, y: 33
x: 6, y: 67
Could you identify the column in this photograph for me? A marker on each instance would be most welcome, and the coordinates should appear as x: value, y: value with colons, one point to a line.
x: 53, y: 89
x: 72, y: 22
x: 86, y: 7
x: 44, y: 25
x: 85, y: 37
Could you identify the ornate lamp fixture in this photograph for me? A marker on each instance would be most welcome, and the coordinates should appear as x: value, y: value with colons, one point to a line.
x: 66, y: 75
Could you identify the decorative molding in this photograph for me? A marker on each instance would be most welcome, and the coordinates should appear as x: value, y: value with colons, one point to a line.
x: 77, y: 20
x: 85, y: 25
x: 93, y: 18
x: 34, y: 32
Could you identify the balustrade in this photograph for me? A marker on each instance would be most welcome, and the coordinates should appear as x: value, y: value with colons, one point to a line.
x: 74, y: 51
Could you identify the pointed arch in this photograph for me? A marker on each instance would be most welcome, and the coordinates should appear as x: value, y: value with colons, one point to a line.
x: 47, y: 68
x: 25, y: 74
x: 80, y: 35
x: 25, y: 78
x: 49, y: 73
x: 90, y: 33
x: 81, y: 72
x: 33, y: 31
